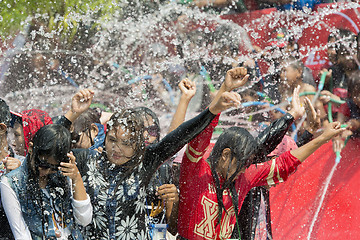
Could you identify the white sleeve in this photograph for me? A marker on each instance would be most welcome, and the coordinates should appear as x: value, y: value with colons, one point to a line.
x: 83, y: 211
x: 13, y: 212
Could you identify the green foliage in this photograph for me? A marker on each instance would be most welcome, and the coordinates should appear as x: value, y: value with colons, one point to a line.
x: 62, y: 17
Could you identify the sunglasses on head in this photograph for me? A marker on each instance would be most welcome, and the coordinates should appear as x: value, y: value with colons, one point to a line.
x: 152, y: 130
x: 45, y: 165
x: 75, y: 136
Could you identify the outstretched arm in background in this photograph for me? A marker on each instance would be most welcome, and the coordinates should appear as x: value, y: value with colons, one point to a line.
x: 268, y: 139
x: 188, y: 89
x: 331, y: 130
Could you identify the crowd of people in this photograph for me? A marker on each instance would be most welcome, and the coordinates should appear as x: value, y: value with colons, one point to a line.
x: 94, y: 175
x: 91, y: 174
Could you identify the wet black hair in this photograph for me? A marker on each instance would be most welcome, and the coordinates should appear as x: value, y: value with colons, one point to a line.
x: 83, y: 123
x: 132, y: 120
x: 51, y: 141
x: 147, y: 112
x: 242, y: 145
x: 5, y: 116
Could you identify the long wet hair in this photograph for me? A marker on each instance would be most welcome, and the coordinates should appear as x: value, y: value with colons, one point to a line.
x: 50, y: 141
x: 242, y: 145
x: 147, y: 112
x: 132, y: 121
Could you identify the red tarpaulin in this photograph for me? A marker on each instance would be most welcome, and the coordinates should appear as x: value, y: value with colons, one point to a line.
x: 295, y: 202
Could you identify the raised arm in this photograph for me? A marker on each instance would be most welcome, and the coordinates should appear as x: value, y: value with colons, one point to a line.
x: 80, y: 102
x: 81, y: 202
x: 234, y: 78
x: 272, y: 135
x: 331, y: 130
x: 188, y: 90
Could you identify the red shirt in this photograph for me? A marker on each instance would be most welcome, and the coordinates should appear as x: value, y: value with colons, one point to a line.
x: 198, y: 208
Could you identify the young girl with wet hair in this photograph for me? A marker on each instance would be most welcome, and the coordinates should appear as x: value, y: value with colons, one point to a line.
x: 45, y: 197
x: 213, y: 190
x: 117, y: 179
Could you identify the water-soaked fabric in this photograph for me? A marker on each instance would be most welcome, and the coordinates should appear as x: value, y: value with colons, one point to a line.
x: 99, y: 140
x: 32, y: 213
x: 198, y: 208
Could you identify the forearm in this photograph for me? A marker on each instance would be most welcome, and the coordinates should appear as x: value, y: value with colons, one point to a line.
x: 71, y: 115
x: 217, y: 96
x: 305, y: 151
x: 79, y: 192
x: 179, y: 116
x: 83, y: 211
x: 273, y: 135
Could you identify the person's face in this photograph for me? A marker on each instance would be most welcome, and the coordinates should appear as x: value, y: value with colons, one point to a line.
x: 86, y: 138
x: 150, y: 130
x: 289, y: 75
x: 19, y: 140
x: 347, y: 61
x: 227, y: 166
x: 46, y: 165
x: 331, y: 51
x: 119, y: 146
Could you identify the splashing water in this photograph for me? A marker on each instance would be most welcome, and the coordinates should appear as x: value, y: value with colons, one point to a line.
x: 134, y: 44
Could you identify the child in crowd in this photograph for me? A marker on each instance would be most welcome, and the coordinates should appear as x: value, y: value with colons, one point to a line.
x: 116, y: 180
x: 27, y: 123
x: 46, y: 197
x: 8, y: 162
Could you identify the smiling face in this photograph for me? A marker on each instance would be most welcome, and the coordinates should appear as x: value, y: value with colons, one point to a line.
x: 119, y: 145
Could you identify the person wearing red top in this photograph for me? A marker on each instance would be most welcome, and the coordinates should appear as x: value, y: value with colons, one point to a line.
x: 228, y: 174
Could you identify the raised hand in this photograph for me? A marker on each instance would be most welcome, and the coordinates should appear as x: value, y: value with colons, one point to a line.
x: 235, y: 78
x: 81, y: 101
x: 313, y: 117
x: 297, y: 110
x: 70, y: 169
x: 187, y: 88
x: 226, y: 100
x: 332, y: 130
x: 11, y: 163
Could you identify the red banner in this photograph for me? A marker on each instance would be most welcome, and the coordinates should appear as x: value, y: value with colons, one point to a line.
x: 295, y: 210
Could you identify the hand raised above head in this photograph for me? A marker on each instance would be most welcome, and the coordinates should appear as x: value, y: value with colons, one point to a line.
x: 81, y: 101
x: 313, y: 117
x: 187, y: 88
x: 226, y: 100
x: 235, y: 78
x: 297, y: 110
